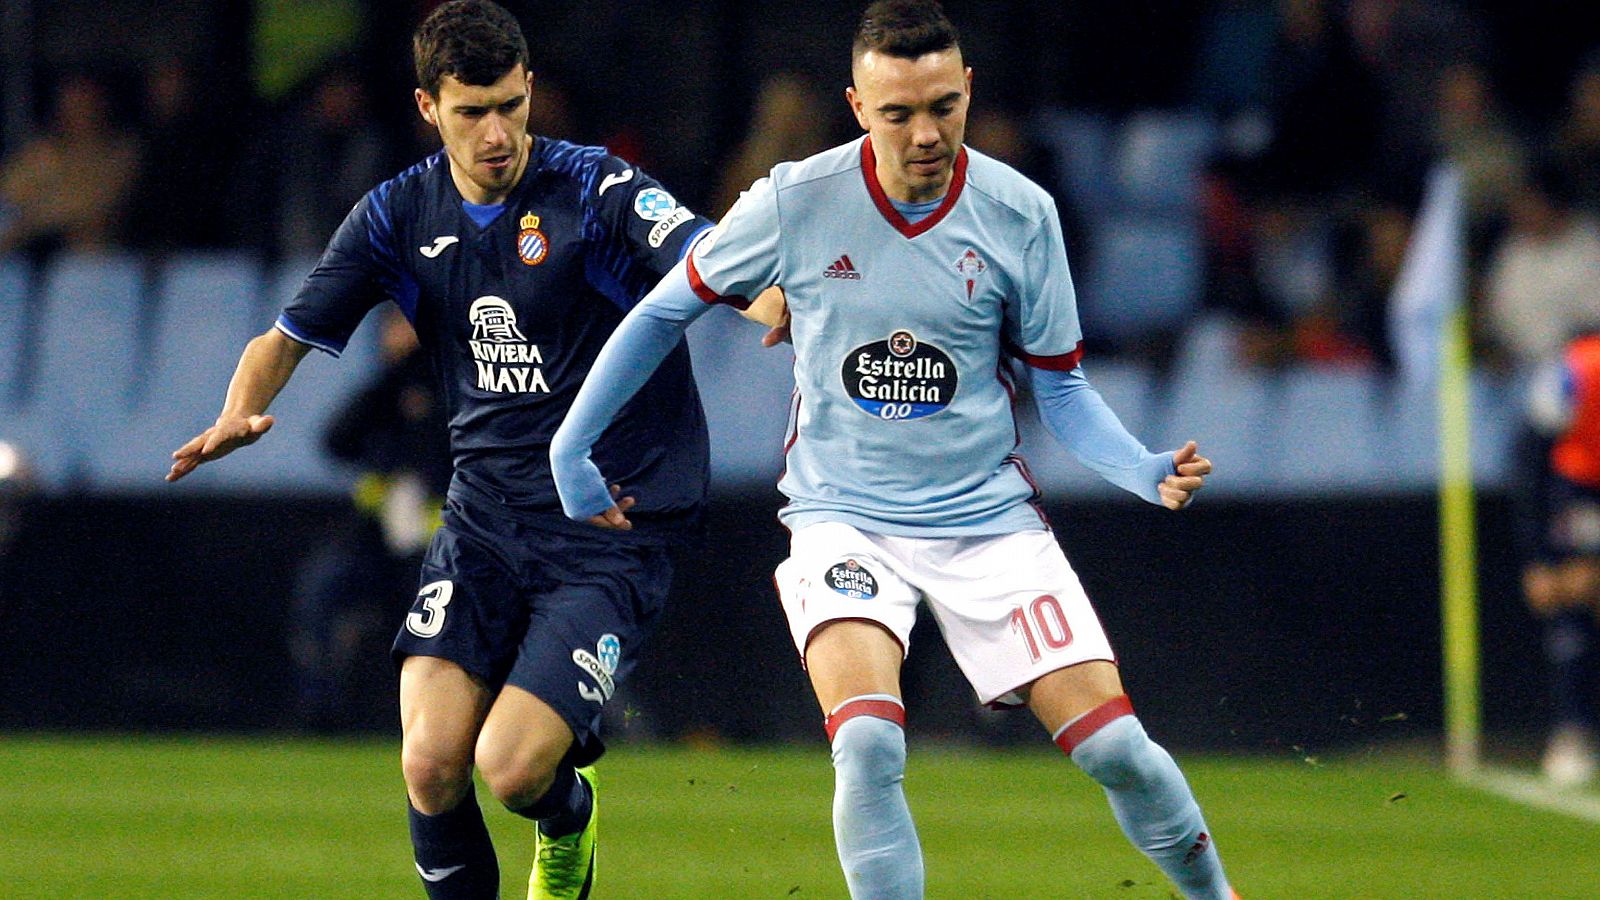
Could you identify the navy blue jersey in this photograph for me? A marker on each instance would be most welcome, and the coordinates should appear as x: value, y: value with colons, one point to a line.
x: 513, y: 312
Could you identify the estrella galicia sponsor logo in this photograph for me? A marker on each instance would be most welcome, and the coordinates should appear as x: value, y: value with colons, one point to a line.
x: 852, y: 579
x: 899, y: 378
x: 601, y: 666
x: 506, y: 361
x: 654, y: 204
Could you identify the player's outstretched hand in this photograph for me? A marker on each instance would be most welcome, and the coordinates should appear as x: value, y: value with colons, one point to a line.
x: 615, y: 517
x: 1177, y: 490
x: 226, y: 436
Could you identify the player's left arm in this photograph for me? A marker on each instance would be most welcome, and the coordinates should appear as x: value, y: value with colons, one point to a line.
x: 1043, y: 332
x: 631, y: 355
x: 1079, y: 418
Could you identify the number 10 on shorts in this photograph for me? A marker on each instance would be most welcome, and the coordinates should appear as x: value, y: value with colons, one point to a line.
x: 1043, y: 621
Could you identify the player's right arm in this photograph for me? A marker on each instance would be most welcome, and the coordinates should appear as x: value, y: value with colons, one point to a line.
x: 358, y: 270
x: 264, y: 368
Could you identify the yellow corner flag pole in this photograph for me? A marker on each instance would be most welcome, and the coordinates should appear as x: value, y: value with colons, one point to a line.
x: 1458, y: 548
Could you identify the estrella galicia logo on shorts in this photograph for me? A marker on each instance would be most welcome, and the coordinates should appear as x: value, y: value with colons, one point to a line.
x: 899, y: 378
x: 601, y: 666
x: 852, y: 579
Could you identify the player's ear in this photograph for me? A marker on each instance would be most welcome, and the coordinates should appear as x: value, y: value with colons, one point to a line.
x: 854, y: 99
x: 427, y: 107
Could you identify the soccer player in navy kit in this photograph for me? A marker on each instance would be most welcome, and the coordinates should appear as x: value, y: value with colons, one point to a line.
x: 514, y: 256
x: 913, y: 267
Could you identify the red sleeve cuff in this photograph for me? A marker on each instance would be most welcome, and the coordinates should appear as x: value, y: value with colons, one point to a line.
x: 1063, y: 362
x: 705, y: 293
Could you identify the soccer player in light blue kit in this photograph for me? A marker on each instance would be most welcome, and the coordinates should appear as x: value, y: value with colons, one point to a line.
x: 913, y: 267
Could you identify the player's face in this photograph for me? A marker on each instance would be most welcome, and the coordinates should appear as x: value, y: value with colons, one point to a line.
x: 485, y: 132
x: 916, y: 112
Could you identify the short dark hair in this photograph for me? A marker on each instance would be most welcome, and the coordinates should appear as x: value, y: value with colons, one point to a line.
x: 476, y: 41
x: 904, y: 28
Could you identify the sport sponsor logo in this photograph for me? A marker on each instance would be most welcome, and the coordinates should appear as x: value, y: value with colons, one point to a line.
x: 899, y: 378
x: 843, y: 269
x: 601, y: 666
x: 506, y: 362
x: 661, y: 229
x: 852, y: 579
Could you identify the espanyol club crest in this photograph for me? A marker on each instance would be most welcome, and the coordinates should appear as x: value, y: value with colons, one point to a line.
x: 970, y: 266
x: 532, y: 245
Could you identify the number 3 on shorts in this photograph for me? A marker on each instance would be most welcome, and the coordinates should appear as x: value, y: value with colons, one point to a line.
x: 429, y: 621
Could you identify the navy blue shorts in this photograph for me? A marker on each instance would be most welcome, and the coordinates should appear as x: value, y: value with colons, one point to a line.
x: 544, y: 606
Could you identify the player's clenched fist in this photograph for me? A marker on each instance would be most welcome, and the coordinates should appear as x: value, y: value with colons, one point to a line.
x: 1178, y: 489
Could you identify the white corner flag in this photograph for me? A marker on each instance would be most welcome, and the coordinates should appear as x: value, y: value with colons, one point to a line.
x: 1432, y: 280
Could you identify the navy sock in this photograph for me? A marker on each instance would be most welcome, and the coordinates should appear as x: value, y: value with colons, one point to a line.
x: 564, y: 809
x: 455, y: 857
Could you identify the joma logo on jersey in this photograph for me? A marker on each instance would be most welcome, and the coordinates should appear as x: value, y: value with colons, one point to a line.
x: 601, y: 666
x: 506, y: 362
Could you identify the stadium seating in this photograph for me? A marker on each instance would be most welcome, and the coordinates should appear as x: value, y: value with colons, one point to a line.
x: 1081, y: 144
x: 204, y: 310
x: 1143, y: 276
x: 291, y: 459
x: 1325, y: 430
x: 15, y: 278
x: 83, y: 371
x: 110, y: 363
x: 1159, y: 159
x: 745, y: 389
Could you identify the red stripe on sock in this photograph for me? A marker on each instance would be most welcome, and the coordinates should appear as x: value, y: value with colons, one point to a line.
x: 879, y: 709
x: 1092, y: 721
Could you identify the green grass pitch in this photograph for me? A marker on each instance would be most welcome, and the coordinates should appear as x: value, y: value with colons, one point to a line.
x: 135, y: 817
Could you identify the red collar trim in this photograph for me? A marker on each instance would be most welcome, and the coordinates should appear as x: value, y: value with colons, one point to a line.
x: 869, y: 172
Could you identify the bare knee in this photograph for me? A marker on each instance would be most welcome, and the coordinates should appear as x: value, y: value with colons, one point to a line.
x: 517, y: 775
x: 435, y: 781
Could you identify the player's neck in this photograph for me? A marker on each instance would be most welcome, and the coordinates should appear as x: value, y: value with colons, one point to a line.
x: 898, y: 190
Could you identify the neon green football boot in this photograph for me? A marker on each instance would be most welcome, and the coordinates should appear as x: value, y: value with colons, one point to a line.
x: 563, y: 868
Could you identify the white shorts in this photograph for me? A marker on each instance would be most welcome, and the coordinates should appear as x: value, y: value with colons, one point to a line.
x: 1010, y: 606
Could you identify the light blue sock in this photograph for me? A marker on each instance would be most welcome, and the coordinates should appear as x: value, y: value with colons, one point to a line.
x: 872, y: 826
x: 1153, y: 804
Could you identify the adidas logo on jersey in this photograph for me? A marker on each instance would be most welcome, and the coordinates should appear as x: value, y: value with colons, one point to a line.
x: 842, y: 268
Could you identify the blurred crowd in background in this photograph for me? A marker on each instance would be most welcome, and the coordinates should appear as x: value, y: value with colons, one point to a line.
x: 1254, y: 163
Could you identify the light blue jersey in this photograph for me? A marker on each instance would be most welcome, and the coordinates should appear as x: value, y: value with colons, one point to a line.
x: 902, y: 416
